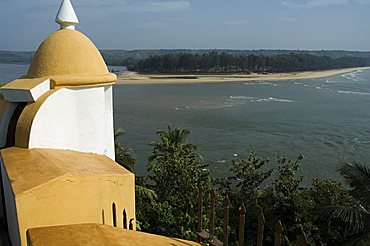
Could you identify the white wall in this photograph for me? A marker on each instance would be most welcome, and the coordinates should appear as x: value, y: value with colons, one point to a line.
x: 109, y: 124
x: 76, y: 119
x: 11, y: 210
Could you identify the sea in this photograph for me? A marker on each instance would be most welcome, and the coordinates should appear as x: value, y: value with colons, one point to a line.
x: 326, y: 120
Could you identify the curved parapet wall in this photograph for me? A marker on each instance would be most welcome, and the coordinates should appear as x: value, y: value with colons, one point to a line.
x: 79, y: 119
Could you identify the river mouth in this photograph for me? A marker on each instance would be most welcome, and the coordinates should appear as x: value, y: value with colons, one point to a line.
x: 326, y: 120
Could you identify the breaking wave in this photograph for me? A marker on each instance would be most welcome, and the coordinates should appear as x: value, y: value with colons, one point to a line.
x: 253, y: 99
x: 241, y: 97
x: 273, y: 99
x: 355, y: 93
x: 260, y: 83
x: 352, y: 76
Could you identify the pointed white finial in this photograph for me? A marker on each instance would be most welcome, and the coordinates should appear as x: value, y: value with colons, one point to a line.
x: 66, y: 17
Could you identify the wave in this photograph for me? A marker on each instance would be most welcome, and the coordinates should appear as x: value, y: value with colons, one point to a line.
x: 268, y: 83
x: 241, y: 97
x: 273, y: 99
x: 355, y: 93
x: 253, y: 99
x: 361, y: 141
x: 260, y: 83
x: 333, y: 81
x: 352, y: 76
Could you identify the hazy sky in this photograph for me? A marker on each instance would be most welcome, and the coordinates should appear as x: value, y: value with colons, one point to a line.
x: 234, y: 24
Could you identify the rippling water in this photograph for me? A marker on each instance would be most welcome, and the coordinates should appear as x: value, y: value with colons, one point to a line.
x: 326, y: 120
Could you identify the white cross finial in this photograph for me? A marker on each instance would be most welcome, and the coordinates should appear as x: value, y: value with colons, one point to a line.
x: 66, y: 17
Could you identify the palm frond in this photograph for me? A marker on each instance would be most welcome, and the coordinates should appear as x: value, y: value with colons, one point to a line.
x: 118, y: 133
x: 126, y: 158
x: 355, y: 172
x: 361, y: 239
x: 358, y: 177
x: 145, y: 193
x: 353, y: 218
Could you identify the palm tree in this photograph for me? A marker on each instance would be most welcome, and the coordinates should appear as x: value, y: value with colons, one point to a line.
x: 124, y: 156
x: 127, y: 159
x: 357, y: 217
x: 176, y: 168
x: 172, y: 141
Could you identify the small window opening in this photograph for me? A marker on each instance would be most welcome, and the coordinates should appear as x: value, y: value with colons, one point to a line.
x: 114, y: 215
x: 131, y: 226
x: 124, y: 215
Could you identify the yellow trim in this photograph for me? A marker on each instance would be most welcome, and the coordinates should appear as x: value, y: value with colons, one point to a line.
x: 23, y: 130
x: 85, y: 80
x: 23, y: 84
x: 83, y: 86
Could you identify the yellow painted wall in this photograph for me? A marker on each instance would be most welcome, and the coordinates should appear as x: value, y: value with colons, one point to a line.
x: 74, y: 199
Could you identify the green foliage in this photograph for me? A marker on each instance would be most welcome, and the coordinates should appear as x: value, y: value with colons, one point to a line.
x: 127, y: 159
x: 176, y: 167
x: 176, y: 171
x: 358, y: 177
x: 124, y: 156
x: 131, y: 57
x: 248, y: 174
x: 354, y: 217
x: 224, y: 62
x: 280, y: 194
x: 286, y: 182
x: 325, y: 211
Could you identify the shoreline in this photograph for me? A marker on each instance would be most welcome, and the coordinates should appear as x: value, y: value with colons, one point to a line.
x: 132, y: 78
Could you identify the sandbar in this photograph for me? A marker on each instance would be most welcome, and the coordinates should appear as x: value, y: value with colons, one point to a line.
x: 130, y: 78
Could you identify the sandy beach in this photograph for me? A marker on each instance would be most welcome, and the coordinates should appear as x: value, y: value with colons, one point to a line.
x: 129, y: 78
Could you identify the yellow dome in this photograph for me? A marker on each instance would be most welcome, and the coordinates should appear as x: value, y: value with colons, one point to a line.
x: 69, y: 58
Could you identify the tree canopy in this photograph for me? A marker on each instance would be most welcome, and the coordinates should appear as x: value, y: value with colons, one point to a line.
x: 215, y: 62
x: 176, y: 170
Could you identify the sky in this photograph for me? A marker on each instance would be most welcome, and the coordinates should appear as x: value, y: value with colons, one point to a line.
x: 195, y: 24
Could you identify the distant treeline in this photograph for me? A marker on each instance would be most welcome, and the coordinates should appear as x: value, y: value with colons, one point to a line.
x: 215, y: 62
x: 132, y: 57
x: 17, y: 57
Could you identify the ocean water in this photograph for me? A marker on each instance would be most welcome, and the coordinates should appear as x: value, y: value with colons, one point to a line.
x: 326, y: 120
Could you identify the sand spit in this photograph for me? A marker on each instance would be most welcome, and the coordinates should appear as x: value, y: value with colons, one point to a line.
x: 129, y: 78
